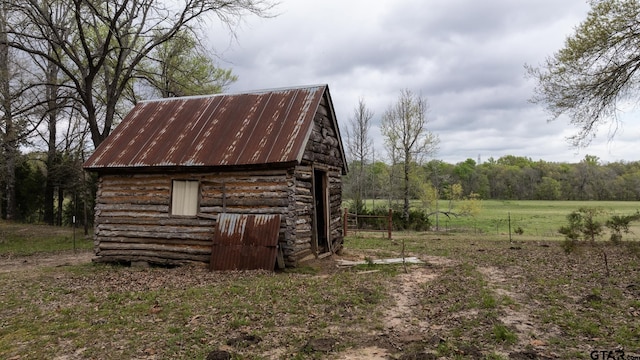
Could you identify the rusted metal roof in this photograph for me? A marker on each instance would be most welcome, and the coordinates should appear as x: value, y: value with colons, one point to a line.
x: 245, y: 242
x: 262, y: 127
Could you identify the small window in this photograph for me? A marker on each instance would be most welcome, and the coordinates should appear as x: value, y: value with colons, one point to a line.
x: 184, y: 197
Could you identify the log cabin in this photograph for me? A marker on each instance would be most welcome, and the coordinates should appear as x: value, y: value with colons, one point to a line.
x: 205, y: 178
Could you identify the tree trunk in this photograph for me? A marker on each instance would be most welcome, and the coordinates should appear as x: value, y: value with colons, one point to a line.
x: 52, y: 153
x: 405, y: 208
x: 8, y: 140
x: 60, y: 203
x: 11, y: 180
x: 49, y: 190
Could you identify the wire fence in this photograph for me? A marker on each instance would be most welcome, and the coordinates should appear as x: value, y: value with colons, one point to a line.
x: 353, y: 223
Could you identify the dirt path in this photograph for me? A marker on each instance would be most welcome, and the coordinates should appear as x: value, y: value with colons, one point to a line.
x: 30, y: 262
x: 529, y: 336
x: 402, y: 326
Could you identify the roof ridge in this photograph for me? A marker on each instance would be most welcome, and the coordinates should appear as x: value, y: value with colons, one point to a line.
x: 245, y: 92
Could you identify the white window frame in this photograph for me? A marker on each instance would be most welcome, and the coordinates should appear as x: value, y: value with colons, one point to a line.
x: 185, y: 197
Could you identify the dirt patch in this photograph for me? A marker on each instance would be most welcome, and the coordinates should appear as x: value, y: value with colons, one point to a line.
x: 515, y: 315
x: 438, y: 260
x: 58, y: 259
x: 512, y: 317
x: 400, y: 318
x: 366, y: 353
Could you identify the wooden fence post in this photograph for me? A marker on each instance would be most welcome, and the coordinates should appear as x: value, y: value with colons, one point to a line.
x: 344, y: 221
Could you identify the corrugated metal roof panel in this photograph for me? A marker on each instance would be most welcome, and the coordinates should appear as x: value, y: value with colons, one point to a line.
x: 245, y: 242
x: 261, y: 127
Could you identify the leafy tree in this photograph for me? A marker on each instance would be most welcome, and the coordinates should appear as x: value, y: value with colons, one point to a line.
x: 439, y: 173
x: 627, y: 186
x: 428, y: 196
x: 180, y: 67
x: 517, y: 161
x: 14, y: 108
x: 406, y: 136
x: 466, y: 171
x: 454, y: 193
x: 471, y: 205
x: 29, y: 189
x: 378, y: 171
x: 548, y: 189
x: 583, y: 224
x: 460, y: 205
x: 596, y: 70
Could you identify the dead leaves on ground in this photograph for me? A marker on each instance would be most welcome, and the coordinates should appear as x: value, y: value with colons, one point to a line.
x: 519, y: 299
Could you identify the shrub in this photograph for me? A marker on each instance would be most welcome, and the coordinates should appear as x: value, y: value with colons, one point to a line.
x: 418, y: 221
x: 582, y: 225
x: 619, y: 224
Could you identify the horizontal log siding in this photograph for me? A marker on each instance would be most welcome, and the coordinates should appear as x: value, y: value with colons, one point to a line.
x: 335, y: 198
x: 134, y: 222
x: 323, y: 146
x: 323, y: 151
x: 300, y: 244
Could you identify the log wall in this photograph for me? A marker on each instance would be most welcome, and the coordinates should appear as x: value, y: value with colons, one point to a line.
x: 133, y: 220
x: 301, y: 246
x: 323, y: 151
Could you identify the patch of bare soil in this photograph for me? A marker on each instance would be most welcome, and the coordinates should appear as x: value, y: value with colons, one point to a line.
x: 31, y: 262
x: 405, y: 331
x: 365, y: 353
x: 404, y: 328
x: 400, y: 319
x: 438, y: 260
x: 514, y: 315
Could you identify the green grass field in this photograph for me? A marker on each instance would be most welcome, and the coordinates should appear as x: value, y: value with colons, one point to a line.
x: 538, y: 219
x: 22, y: 239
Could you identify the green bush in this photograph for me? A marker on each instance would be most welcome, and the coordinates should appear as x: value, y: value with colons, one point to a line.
x: 582, y: 225
x: 619, y: 224
x: 418, y: 220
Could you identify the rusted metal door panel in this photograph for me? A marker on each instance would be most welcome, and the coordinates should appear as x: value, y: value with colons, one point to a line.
x: 245, y: 242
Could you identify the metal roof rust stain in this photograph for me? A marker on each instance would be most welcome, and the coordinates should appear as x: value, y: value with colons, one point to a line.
x: 245, y: 242
x: 228, y: 129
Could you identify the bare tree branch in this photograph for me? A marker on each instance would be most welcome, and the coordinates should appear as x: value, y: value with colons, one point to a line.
x: 100, y: 47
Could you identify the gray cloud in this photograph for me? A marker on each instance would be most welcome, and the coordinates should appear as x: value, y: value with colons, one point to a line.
x: 467, y: 57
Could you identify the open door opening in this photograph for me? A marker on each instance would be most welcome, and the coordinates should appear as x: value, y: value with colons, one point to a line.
x: 321, y: 197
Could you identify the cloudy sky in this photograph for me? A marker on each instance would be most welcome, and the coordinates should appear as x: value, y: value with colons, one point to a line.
x: 466, y: 57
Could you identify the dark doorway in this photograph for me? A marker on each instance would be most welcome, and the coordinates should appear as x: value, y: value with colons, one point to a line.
x: 320, y: 193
